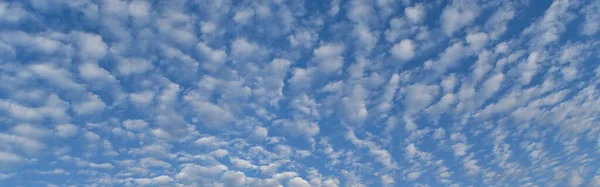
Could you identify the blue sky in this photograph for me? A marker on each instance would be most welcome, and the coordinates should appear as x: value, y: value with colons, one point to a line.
x: 299, y: 93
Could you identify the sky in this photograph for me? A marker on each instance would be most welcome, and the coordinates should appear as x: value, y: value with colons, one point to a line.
x: 299, y: 93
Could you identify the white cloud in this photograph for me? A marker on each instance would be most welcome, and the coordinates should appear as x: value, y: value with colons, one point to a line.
x: 135, y: 124
x: 242, y: 48
x: 26, y: 144
x: 497, y: 24
x: 419, y: 96
x: 415, y: 14
x: 233, y: 178
x: 595, y: 181
x: 460, y: 149
x: 152, y: 162
x: 299, y: 127
x: 35, y: 43
x: 298, y: 182
x: 193, y: 172
x: 328, y: 57
x: 242, y: 164
x: 591, y: 25
x: 215, y: 57
x: 139, y: 9
x: 207, y: 27
x: 550, y: 27
x: 66, y: 130
x: 211, y: 114
x: 477, y: 41
x: 439, y: 133
x: 243, y: 16
x: 381, y: 155
x: 404, y: 50
x: 413, y: 176
x: 386, y: 180
x: 260, y: 132
x: 28, y: 130
x: 354, y: 106
x: 131, y: 66
x: 210, y: 141
x: 574, y: 180
x: 91, y: 105
x: 303, y: 38
x: 91, y: 46
x: 9, y: 158
x: 55, y: 76
x: 92, y: 72
x: 142, y: 98
x: 458, y: 15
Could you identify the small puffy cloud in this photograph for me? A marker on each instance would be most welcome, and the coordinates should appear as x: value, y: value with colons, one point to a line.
x: 242, y: 48
x: 303, y: 38
x: 91, y: 105
x: 419, y: 96
x: 132, y: 66
x: 413, y: 176
x: 299, y: 127
x: 8, y: 158
x: 298, y: 182
x: 91, y: 45
x: 207, y: 27
x: 386, y: 180
x: 354, y: 106
x: 415, y: 14
x: 403, y: 50
x: 92, y: 72
x: 139, y: 8
x: 135, y: 124
x: 214, y: 57
x: 56, y: 76
x: 243, y: 16
x: 457, y: 15
x: 210, y: 141
x: 477, y: 41
x: 574, y: 180
x: 193, y: 172
x: 233, y: 178
x: 328, y: 57
x: 260, y: 132
x: 142, y: 98
x: 28, y: 130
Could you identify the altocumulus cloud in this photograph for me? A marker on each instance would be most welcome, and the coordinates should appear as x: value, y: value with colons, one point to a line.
x: 299, y: 93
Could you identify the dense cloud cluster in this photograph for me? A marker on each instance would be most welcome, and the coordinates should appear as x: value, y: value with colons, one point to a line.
x: 299, y: 93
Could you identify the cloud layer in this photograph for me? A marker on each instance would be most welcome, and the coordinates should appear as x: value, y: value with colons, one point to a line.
x: 299, y: 93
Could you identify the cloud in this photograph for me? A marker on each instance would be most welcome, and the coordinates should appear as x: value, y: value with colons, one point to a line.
x: 56, y: 76
x: 404, y: 50
x: 132, y: 66
x: 574, y: 180
x: 91, y: 46
x: 135, y: 124
x: 9, y: 158
x: 328, y: 57
x: 92, y: 72
x: 91, y: 105
x: 66, y: 130
x: 419, y: 96
x: 243, y: 16
x: 415, y: 14
x: 458, y: 15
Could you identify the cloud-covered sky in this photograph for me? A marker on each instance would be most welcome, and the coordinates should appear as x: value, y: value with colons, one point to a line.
x: 300, y: 93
